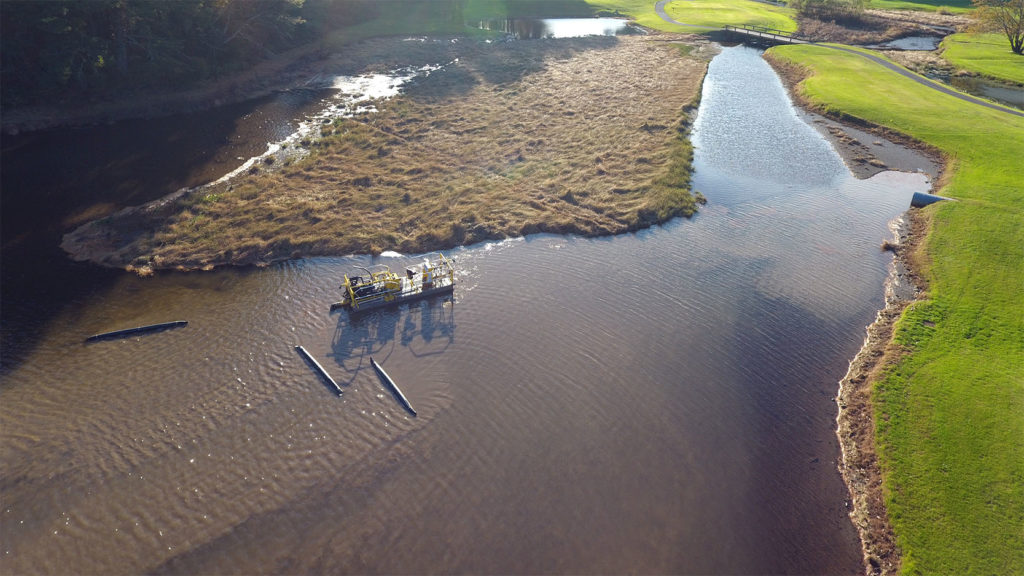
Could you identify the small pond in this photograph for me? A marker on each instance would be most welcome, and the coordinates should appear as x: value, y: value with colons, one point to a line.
x: 919, y: 43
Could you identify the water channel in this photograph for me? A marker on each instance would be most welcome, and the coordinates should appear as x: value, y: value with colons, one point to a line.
x: 658, y: 402
x: 1003, y: 93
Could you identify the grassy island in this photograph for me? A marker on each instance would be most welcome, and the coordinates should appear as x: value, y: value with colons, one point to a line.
x: 586, y: 136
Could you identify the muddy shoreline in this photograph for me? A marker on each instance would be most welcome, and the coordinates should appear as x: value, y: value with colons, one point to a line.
x: 855, y: 421
x: 867, y: 149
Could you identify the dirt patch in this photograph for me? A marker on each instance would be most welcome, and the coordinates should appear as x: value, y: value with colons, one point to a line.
x: 924, y: 63
x: 585, y: 136
x: 927, y: 20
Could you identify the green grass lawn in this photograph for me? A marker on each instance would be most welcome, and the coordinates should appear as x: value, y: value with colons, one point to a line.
x: 985, y: 54
x: 710, y: 13
x: 641, y: 11
x: 950, y: 416
x: 412, y: 17
x: 487, y: 9
x: 944, y: 6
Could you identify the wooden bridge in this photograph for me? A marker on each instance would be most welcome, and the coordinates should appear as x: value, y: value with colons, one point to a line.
x: 763, y: 35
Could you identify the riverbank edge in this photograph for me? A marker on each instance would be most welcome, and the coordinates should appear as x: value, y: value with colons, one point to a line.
x: 855, y: 420
x: 905, y: 285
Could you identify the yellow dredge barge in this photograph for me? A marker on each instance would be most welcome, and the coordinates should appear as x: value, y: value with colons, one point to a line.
x: 383, y: 287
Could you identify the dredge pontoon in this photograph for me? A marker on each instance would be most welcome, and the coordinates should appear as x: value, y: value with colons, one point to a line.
x: 382, y: 287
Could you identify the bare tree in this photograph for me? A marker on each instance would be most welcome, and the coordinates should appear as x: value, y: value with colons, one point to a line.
x: 1006, y: 16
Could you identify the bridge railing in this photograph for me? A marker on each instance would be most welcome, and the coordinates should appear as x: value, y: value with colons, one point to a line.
x: 762, y: 31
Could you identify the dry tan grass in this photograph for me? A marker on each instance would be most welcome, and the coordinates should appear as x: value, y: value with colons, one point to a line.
x: 878, y: 26
x: 586, y: 136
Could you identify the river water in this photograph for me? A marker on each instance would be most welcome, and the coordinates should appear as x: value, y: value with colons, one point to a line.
x: 658, y: 402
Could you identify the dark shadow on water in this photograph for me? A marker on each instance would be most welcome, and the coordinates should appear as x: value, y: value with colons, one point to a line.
x: 360, y: 336
x: 55, y: 180
x: 374, y: 333
x: 433, y: 320
x: 451, y: 82
x: 791, y: 361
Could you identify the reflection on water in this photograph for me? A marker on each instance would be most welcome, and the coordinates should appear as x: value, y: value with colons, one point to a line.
x: 348, y: 96
x: 653, y: 402
x: 427, y: 328
x: 533, y: 29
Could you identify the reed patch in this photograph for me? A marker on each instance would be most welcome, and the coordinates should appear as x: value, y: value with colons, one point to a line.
x: 584, y: 136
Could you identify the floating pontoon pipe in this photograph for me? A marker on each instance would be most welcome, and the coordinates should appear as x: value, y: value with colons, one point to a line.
x: 319, y: 368
x: 140, y: 329
x: 394, y: 388
x: 920, y: 199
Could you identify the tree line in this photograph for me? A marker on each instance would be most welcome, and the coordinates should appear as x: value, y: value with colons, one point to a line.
x: 62, y: 49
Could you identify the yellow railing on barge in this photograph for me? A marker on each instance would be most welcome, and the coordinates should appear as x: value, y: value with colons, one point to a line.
x: 390, y: 285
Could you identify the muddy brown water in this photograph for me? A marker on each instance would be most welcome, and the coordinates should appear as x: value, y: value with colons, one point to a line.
x: 658, y: 402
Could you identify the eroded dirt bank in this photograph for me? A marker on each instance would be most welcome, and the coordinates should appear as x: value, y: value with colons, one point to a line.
x: 855, y: 422
x: 585, y: 136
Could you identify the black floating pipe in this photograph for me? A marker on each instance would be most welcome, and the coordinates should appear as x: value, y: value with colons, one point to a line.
x: 394, y: 388
x: 319, y: 368
x: 920, y: 199
x: 138, y: 330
